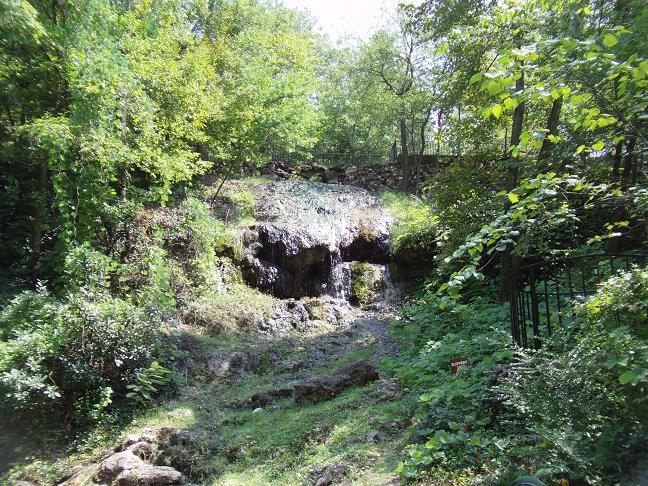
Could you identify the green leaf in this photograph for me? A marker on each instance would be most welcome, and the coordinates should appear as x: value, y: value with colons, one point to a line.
x: 513, y: 197
x: 580, y: 149
x: 475, y: 77
x: 510, y: 103
x: 627, y: 377
x: 493, y: 87
x: 598, y: 145
x: 497, y: 110
x: 609, y: 40
x: 502, y: 443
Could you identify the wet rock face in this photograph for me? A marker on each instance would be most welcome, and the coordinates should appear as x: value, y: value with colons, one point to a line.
x: 307, y: 232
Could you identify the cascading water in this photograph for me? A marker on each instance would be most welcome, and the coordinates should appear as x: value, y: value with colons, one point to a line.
x: 339, y: 283
x: 322, y: 241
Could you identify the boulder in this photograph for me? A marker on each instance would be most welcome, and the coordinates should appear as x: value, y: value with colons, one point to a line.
x: 325, y: 387
x: 117, y: 464
x: 131, y: 465
x: 148, y: 475
x: 322, y: 475
x: 304, y: 230
x: 228, y: 364
x: 125, y: 468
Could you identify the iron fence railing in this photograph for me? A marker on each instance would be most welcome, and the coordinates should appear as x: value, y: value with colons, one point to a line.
x: 544, y: 295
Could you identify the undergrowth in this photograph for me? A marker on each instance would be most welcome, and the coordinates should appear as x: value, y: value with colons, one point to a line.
x: 575, y: 410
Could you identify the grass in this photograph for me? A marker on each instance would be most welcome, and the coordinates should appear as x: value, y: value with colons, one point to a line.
x: 283, y: 442
x: 400, y: 206
x: 280, y: 444
x: 233, y: 310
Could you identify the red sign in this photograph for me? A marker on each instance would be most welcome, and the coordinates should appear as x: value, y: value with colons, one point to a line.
x: 456, y: 363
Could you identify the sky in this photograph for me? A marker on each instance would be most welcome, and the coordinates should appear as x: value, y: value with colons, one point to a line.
x: 339, y: 18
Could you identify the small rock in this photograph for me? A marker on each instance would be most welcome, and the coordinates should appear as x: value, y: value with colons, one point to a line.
x: 257, y: 410
x: 149, y: 475
x: 227, y: 365
x: 374, y: 436
x: 331, y: 474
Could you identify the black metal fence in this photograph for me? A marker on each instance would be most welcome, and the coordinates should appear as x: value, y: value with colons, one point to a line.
x: 544, y: 295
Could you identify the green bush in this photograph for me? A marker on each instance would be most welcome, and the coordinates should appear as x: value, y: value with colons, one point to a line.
x: 72, y: 355
x: 464, y: 197
x: 416, y: 233
x: 583, y: 401
x: 454, y: 412
x: 575, y: 409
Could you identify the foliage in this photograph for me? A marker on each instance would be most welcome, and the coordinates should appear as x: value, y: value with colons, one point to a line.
x: 148, y: 382
x: 416, y: 232
x: 544, y: 211
x: 456, y: 413
x: 575, y: 409
x: 73, y: 356
x: 623, y: 298
x: 604, y: 366
x: 464, y: 198
x: 96, y: 109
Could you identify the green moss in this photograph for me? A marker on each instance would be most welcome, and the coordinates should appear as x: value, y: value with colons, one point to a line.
x: 364, y: 286
x: 236, y: 308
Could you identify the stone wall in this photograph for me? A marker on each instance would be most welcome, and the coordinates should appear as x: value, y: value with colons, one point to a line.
x: 373, y: 177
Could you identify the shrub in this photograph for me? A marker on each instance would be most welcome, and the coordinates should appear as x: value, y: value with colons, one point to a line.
x: 454, y: 412
x: 583, y: 401
x: 416, y: 233
x: 74, y: 354
x: 464, y: 197
x: 575, y: 409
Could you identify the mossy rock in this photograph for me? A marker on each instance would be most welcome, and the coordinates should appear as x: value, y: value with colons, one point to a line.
x: 366, y: 283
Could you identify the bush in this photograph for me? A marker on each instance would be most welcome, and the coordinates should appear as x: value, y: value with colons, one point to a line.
x: 575, y: 409
x: 455, y: 413
x: 583, y: 401
x: 416, y: 233
x: 465, y: 198
x: 72, y: 355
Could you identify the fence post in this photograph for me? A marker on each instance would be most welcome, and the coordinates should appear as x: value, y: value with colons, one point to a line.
x: 515, y: 323
x: 535, y: 314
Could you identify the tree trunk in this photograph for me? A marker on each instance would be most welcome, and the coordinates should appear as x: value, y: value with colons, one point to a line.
x: 616, y: 162
x: 40, y: 209
x: 404, y: 162
x: 628, y: 161
x: 516, y: 132
x: 621, y: 214
x: 552, y: 127
x: 421, y: 154
x: 510, y: 266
